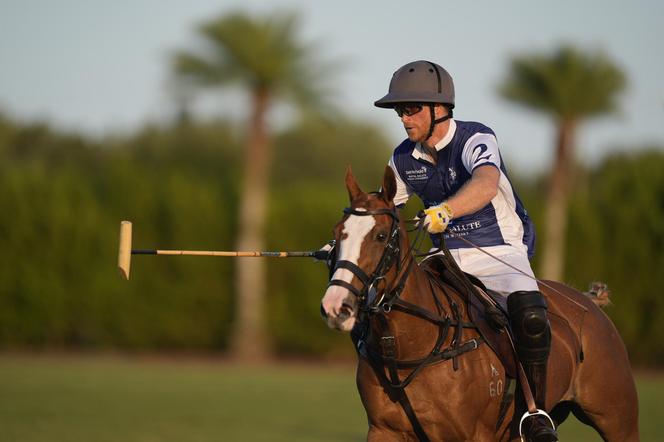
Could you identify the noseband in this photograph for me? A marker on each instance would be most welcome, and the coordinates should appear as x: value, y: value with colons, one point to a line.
x: 367, y: 295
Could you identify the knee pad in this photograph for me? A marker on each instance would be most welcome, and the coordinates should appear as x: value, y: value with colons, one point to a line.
x: 527, y: 313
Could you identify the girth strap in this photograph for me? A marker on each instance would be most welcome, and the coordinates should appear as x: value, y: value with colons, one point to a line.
x: 388, y: 348
x: 408, y: 409
x: 431, y: 359
x: 415, y: 310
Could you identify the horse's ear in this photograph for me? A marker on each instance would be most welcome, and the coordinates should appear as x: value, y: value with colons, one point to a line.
x: 389, y: 185
x: 351, y: 184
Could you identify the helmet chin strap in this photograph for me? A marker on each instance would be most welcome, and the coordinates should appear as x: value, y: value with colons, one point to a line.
x: 434, y: 121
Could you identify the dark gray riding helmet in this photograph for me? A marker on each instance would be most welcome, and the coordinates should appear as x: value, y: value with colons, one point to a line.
x: 419, y: 82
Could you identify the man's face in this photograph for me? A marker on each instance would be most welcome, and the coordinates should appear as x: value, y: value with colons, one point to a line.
x: 416, y: 119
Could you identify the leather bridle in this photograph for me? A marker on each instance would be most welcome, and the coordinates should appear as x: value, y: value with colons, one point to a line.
x: 368, y: 296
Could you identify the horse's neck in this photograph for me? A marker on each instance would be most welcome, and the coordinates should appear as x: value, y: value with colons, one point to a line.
x: 415, y: 335
x: 416, y: 290
x: 421, y: 289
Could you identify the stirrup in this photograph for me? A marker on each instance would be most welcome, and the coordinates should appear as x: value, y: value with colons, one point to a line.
x: 528, y: 414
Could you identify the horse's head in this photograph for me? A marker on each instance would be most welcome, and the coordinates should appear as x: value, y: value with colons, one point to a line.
x: 368, y: 253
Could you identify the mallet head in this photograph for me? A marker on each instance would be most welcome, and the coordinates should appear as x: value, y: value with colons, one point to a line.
x: 124, y: 251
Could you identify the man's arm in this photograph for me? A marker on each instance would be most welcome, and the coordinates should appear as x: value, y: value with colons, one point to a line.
x: 477, y: 192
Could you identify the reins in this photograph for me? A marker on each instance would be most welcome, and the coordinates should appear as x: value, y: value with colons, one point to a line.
x: 539, y: 281
x: 390, y: 299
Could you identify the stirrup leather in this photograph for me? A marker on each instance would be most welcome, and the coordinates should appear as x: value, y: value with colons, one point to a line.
x: 528, y: 414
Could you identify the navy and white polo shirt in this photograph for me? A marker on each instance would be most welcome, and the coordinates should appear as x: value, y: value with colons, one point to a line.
x: 466, y: 146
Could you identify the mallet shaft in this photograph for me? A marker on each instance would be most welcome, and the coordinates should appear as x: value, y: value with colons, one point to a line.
x: 222, y: 253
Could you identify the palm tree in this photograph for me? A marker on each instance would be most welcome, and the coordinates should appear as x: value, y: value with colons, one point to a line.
x: 263, y: 55
x: 570, y: 86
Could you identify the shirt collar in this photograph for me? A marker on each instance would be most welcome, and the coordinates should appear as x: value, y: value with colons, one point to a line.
x: 420, y: 152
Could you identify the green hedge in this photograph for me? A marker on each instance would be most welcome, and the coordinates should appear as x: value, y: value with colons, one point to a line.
x: 63, y: 196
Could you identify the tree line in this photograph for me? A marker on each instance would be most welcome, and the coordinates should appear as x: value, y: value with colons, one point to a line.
x: 63, y: 196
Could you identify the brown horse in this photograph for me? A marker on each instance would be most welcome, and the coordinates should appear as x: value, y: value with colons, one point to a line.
x: 427, y: 372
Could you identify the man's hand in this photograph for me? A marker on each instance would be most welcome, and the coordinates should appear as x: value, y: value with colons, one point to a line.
x: 438, y: 217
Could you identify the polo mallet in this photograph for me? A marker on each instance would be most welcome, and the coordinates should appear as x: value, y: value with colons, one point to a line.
x: 125, y: 251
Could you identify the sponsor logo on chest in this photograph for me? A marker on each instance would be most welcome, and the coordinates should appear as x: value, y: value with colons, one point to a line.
x: 417, y: 174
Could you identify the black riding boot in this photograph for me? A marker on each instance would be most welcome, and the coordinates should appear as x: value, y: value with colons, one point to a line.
x: 527, y: 313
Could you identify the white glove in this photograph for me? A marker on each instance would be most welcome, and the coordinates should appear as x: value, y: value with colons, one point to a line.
x: 438, y: 217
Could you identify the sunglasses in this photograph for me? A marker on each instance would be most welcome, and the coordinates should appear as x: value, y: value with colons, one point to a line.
x: 408, y: 109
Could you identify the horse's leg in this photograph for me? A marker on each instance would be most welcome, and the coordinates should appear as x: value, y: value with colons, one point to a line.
x: 609, y: 404
x: 603, y: 388
x: 384, y: 416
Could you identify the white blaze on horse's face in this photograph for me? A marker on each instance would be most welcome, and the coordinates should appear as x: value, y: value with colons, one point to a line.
x: 339, y: 303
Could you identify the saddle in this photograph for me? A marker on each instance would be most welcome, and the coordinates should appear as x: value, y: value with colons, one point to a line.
x: 496, y: 338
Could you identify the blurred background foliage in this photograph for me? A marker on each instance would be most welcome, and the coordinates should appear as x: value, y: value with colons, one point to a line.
x: 62, y: 197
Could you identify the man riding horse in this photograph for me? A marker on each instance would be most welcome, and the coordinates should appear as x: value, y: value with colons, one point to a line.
x: 456, y: 169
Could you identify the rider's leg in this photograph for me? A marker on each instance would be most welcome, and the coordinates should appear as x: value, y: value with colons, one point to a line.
x: 511, y: 274
x: 528, y: 319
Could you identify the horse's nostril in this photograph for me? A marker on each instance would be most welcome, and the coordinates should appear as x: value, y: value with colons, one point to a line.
x: 322, y: 312
x: 346, y: 311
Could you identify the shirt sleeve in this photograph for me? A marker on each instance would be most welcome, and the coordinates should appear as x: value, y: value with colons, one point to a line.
x: 403, y: 191
x: 480, y: 150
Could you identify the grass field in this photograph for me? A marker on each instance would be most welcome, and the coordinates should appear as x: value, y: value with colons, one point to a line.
x: 103, y: 399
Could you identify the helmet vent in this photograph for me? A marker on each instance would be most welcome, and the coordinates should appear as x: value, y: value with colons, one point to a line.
x: 411, y: 70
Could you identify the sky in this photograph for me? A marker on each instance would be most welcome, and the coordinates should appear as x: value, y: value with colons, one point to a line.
x: 98, y: 66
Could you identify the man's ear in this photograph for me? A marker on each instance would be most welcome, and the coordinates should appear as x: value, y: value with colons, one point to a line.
x: 389, y: 185
x: 351, y: 184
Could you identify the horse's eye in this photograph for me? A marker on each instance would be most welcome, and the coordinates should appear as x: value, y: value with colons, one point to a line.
x: 381, y: 236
